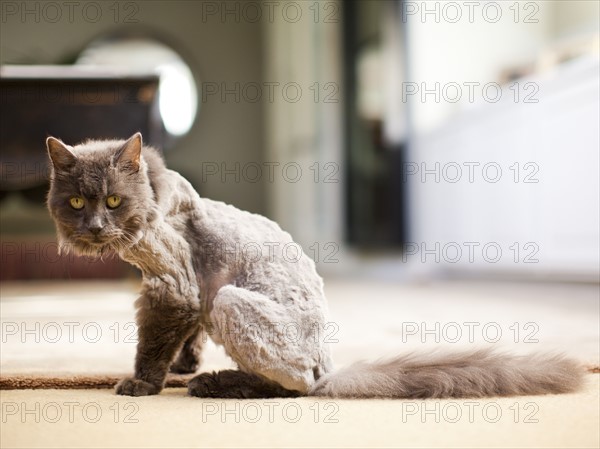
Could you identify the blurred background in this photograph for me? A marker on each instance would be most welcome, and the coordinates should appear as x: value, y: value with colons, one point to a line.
x: 393, y: 139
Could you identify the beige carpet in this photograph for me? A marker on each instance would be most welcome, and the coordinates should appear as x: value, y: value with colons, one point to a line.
x: 369, y: 320
x: 174, y: 420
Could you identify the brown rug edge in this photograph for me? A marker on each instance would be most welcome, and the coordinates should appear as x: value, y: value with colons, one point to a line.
x: 100, y: 382
x: 76, y: 382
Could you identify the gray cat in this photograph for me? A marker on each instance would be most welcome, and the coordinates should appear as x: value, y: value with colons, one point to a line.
x: 209, y: 268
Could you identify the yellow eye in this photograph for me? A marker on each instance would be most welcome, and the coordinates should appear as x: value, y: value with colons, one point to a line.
x: 113, y: 201
x: 76, y: 202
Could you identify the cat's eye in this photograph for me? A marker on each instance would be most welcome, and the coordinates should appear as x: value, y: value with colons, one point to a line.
x: 76, y: 202
x: 113, y: 201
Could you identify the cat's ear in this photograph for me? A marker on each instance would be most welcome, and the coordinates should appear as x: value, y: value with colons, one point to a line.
x: 60, y: 154
x: 130, y: 153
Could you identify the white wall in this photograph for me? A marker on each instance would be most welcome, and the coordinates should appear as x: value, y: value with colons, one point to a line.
x: 443, y: 51
x: 575, y: 17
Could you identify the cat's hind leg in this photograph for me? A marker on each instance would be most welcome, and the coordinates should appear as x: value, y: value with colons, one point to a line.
x: 272, y: 340
x: 190, y: 355
x: 234, y: 384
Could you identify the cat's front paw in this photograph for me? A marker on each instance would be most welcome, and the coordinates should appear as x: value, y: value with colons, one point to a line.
x: 136, y: 387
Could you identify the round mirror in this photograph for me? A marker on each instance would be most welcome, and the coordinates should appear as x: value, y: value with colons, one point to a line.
x: 177, y: 92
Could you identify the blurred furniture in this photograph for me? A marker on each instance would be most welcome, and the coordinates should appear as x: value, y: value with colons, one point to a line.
x: 549, y: 200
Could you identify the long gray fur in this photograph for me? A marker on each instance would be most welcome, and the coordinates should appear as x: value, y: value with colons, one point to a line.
x: 211, y: 269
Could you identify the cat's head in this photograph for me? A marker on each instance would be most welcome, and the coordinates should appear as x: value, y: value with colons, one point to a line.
x: 100, y: 196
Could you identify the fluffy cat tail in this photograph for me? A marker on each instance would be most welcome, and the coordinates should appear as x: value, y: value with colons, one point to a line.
x: 481, y: 373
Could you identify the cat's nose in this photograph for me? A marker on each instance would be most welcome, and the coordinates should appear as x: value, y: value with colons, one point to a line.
x: 95, y: 225
x: 95, y: 229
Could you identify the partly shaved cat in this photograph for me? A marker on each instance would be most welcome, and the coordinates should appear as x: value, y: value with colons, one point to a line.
x: 118, y: 196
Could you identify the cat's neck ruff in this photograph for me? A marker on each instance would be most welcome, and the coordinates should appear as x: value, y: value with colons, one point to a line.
x: 165, y: 257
